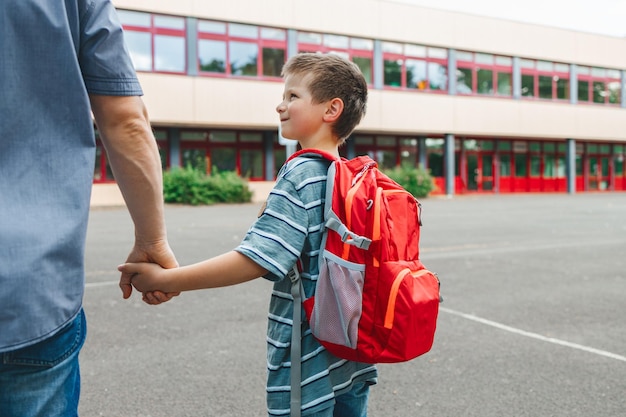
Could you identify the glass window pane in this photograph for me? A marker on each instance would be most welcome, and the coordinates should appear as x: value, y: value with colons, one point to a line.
x: 561, y: 68
x: 504, y: 61
x: 243, y: 31
x: 583, y: 90
x: 365, y: 65
x: 437, y: 76
x: 598, y: 72
x: 615, y: 89
x: 435, y: 164
x: 415, y: 50
x: 393, y: 73
x: 243, y: 58
x: 582, y: 70
x: 504, y: 83
x: 562, y: 88
x: 336, y: 41
x: 169, y: 53
x: 549, y: 166
x: 223, y: 159
x: 363, y: 140
x: 194, y: 158
x: 545, y: 66
x: 528, y: 85
x: 273, y: 60
x: 520, y: 165
x: 485, y: 81
x: 273, y: 34
x: 212, y: 27
x: 223, y: 137
x: 527, y: 63
x: 505, y: 165
x: 464, y: 81
x: 535, y: 165
x: 212, y: 55
x: 484, y: 59
x: 169, y: 22
x: 251, y: 163
x: 386, y: 140
x: 504, y: 146
x: 439, y: 53
x: 545, y: 86
x: 464, y: 56
x: 416, y: 74
x: 139, y: 46
x: 392, y: 47
x: 193, y: 136
x: 309, y: 37
x: 131, y: 18
x: 599, y: 92
x: 363, y: 44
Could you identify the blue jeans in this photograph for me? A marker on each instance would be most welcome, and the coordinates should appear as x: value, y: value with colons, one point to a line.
x: 351, y: 404
x: 43, y: 380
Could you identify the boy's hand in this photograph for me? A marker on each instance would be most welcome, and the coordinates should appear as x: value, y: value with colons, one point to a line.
x: 158, y: 252
x: 145, y: 277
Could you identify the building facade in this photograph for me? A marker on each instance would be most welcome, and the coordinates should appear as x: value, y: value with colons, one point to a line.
x: 487, y: 105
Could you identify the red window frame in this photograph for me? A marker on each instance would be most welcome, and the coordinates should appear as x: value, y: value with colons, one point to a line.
x: 497, y: 64
x: 154, y: 30
x: 554, y: 70
x: 348, y: 49
x: 605, y: 76
x: 402, y: 53
x: 258, y: 40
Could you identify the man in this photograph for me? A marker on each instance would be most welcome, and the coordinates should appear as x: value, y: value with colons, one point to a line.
x: 58, y: 62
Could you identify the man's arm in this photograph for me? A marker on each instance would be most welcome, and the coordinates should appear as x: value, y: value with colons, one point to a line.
x: 125, y: 131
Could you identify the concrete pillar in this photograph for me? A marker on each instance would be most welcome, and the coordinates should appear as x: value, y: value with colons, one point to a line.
x: 570, y: 165
x: 517, y: 78
x: 192, y: 46
x: 452, y: 72
x: 173, y: 135
x: 448, y: 164
x: 422, y: 151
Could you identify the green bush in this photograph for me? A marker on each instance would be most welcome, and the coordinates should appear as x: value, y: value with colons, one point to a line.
x: 417, y: 181
x: 194, y: 187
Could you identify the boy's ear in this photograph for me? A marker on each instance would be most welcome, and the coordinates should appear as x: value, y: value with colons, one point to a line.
x: 334, y: 109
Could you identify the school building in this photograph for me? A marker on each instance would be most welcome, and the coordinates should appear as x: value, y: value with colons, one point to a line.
x: 487, y: 105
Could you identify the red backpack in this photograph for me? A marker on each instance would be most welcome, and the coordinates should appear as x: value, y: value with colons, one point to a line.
x: 374, y: 300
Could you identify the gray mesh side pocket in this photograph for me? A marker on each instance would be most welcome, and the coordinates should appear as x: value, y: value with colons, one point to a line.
x: 338, y: 297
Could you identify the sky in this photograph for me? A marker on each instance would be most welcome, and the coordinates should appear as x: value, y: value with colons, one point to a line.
x: 605, y: 17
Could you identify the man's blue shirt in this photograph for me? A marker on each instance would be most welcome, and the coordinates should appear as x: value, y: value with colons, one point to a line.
x: 47, y: 154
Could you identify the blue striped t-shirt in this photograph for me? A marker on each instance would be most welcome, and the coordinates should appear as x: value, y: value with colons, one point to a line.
x: 290, y: 227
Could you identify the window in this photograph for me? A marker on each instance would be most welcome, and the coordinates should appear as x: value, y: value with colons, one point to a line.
x: 484, y: 74
x: 155, y: 42
x: 545, y: 80
x: 417, y: 67
x: 233, y: 49
x: 599, y: 85
x: 224, y: 150
x: 358, y: 50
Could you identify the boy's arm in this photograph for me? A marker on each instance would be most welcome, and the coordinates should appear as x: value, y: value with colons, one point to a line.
x: 228, y: 269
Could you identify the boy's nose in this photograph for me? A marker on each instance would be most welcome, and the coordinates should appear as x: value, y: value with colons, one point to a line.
x: 281, y: 107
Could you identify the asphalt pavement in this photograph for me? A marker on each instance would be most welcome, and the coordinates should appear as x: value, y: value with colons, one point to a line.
x: 533, y: 321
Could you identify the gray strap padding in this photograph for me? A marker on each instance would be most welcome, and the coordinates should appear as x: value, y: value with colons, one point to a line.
x: 296, y: 348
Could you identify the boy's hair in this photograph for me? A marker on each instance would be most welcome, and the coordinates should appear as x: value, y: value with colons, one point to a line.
x: 333, y: 77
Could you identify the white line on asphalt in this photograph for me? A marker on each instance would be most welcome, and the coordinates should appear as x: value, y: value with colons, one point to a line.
x: 535, y: 335
x: 101, y: 284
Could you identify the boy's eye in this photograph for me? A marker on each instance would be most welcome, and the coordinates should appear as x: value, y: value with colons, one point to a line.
x: 292, y: 96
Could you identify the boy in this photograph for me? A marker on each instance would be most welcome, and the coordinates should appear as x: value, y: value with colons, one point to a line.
x: 324, y: 99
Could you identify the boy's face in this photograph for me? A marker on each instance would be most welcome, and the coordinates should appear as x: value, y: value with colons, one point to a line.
x: 300, y: 118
